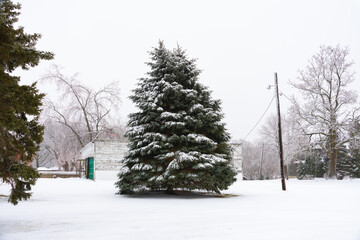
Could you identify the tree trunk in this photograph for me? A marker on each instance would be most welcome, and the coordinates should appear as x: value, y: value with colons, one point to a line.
x: 37, y: 162
x: 332, y: 164
x: 66, y: 166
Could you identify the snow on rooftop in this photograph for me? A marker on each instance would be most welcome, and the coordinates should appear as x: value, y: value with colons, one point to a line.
x: 87, y: 151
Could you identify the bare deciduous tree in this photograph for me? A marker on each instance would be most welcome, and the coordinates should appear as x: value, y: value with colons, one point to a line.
x: 251, y: 155
x: 326, y: 111
x: 293, y: 141
x: 260, y: 159
x: 82, y: 106
x: 59, y: 147
x: 80, y: 116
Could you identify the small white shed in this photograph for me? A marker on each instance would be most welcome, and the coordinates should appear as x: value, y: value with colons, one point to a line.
x: 237, y: 158
x: 106, y: 155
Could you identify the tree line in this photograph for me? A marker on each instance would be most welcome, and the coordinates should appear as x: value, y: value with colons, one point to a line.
x: 322, y: 128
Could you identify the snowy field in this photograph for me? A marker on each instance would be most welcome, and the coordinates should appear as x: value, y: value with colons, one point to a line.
x: 83, y: 209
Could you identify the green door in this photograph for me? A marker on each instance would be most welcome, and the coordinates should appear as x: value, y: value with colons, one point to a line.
x: 91, y: 168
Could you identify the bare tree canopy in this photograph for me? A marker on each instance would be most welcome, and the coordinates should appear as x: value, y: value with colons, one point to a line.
x: 261, y: 158
x: 80, y: 116
x: 59, y: 147
x: 294, y: 142
x: 80, y: 105
x: 328, y: 102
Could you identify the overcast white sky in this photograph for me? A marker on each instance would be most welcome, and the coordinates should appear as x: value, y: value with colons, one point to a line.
x: 239, y: 44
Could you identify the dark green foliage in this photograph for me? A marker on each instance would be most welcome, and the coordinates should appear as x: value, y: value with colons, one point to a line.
x: 355, y: 164
x: 349, y: 163
x: 20, y: 132
x: 17, y: 48
x: 21, y: 177
x: 177, y: 139
x: 313, y: 166
x: 306, y: 169
x: 261, y: 176
x: 343, y: 164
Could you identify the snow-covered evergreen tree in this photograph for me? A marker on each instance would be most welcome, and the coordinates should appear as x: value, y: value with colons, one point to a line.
x: 177, y: 139
x: 344, y: 165
x: 354, y: 148
x: 349, y: 163
x: 355, y: 164
x: 306, y: 169
x: 314, y: 165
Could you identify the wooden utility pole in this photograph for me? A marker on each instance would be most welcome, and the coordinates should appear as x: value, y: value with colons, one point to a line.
x: 281, y: 151
x: 261, y: 159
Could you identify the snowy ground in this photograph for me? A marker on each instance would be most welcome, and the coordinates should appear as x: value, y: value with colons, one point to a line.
x: 82, y: 209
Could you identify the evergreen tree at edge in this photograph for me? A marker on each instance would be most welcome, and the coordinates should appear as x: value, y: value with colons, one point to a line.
x: 20, y: 132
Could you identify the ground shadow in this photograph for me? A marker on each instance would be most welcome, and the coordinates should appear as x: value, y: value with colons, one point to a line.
x: 178, y: 195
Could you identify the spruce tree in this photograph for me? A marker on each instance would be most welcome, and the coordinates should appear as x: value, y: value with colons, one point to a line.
x: 355, y: 164
x: 20, y: 132
x: 177, y: 139
x: 313, y: 166
x: 307, y: 168
x: 344, y: 164
x: 354, y: 150
x: 349, y: 163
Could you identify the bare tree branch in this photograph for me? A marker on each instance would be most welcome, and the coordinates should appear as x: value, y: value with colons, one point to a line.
x: 86, y: 113
x: 323, y: 85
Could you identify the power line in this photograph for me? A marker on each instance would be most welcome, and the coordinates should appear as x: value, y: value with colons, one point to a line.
x: 283, y: 94
x: 260, y: 117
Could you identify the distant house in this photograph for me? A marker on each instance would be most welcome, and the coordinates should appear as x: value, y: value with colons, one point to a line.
x: 106, y: 155
x: 237, y: 158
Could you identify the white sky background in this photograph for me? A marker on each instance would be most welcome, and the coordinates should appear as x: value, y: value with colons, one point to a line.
x: 239, y: 44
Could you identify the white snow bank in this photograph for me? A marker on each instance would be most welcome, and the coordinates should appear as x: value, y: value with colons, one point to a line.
x: 43, y: 169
